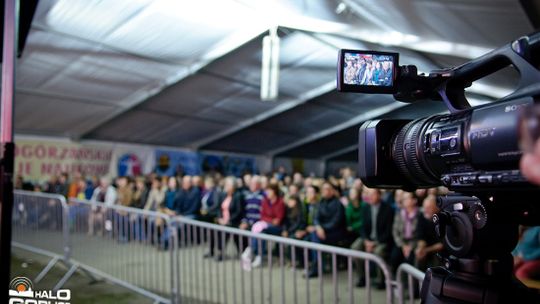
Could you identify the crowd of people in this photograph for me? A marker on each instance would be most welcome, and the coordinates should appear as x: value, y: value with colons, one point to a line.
x: 368, y: 70
x: 339, y: 211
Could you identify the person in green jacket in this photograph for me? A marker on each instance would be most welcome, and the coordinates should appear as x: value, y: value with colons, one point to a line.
x: 311, y: 205
x: 353, y: 214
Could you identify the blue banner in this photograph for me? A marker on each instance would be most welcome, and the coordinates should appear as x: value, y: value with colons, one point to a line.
x: 228, y: 165
x: 170, y: 163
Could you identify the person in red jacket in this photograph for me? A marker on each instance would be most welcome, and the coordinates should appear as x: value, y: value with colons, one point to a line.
x: 273, y: 208
x: 272, y: 216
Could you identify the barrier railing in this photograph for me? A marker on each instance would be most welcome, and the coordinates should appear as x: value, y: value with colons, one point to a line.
x: 227, y: 282
x: 116, y: 243
x: 161, y: 257
x: 39, y: 226
x: 413, y: 274
x: 128, y: 244
x: 35, y: 215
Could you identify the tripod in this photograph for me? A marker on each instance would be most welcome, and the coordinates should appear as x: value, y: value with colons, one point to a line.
x: 479, y: 235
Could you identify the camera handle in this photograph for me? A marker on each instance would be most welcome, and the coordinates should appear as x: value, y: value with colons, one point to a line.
x: 449, y: 85
x: 476, y: 269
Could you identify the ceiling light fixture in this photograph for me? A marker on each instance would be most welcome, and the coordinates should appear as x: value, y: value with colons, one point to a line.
x: 270, y: 66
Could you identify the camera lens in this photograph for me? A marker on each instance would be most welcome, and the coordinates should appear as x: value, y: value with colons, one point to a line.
x: 408, y: 153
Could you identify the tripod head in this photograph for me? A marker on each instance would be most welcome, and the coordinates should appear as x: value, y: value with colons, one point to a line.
x: 479, y: 233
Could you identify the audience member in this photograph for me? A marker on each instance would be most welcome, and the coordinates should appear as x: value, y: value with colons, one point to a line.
x: 188, y: 199
x: 295, y: 220
x: 357, y: 184
x: 404, y: 231
x: 125, y: 191
x: 73, y: 188
x: 230, y: 213
x: 155, y: 201
x: 247, y: 181
x: 295, y: 224
x: 106, y: 194
x: 253, y: 200
x: 398, y: 199
x: 329, y: 223
x: 428, y: 243
x: 156, y: 196
x: 353, y: 214
x: 264, y: 181
x: 298, y: 180
x: 310, y: 207
x: 421, y: 194
x: 91, y: 185
x: 197, y: 182
x: 287, y: 181
x: 140, y: 194
x: 210, y: 201
x: 19, y: 182
x: 376, y: 232
x: 81, y: 190
x: 57, y: 185
x: 272, y: 215
x: 293, y: 190
x: 239, y: 184
x: 124, y: 198
x: 170, y: 196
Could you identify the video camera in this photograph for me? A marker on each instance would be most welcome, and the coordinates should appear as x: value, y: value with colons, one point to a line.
x: 470, y: 149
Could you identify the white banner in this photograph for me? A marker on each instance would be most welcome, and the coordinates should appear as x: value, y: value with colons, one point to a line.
x: 132, y: 160
x: 37, y: 160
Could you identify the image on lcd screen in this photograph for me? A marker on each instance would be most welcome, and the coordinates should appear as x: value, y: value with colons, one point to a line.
x: 368, y: 69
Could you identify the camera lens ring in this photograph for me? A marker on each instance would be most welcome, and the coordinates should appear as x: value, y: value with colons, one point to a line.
x: 405, y: 153
x: 398, y: 154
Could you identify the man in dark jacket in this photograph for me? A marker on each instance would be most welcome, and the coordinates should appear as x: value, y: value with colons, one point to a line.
x: 376, y: 233
x: 188, y: 199
x: 329, y: 222
x: 210, y: 201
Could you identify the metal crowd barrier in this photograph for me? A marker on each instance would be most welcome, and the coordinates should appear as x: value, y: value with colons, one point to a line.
x: 128, y: 245
x: 125, y: 246
x: 35, y: 215
x: 219, y: 282
x: 161, y: 257
x: 39, y: 226
x: 413, y: 274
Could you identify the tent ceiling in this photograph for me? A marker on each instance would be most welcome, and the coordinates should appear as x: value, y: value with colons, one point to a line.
x: 187, y: 73
x: 326, y: 146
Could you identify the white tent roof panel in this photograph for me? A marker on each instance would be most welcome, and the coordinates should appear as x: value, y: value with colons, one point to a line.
x: 54, y: 116
x: 194, y: 94
x: 187, y: 73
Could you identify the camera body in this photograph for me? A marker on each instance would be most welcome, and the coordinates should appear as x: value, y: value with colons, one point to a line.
x: 473, y: 151
x: 470, y: 149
